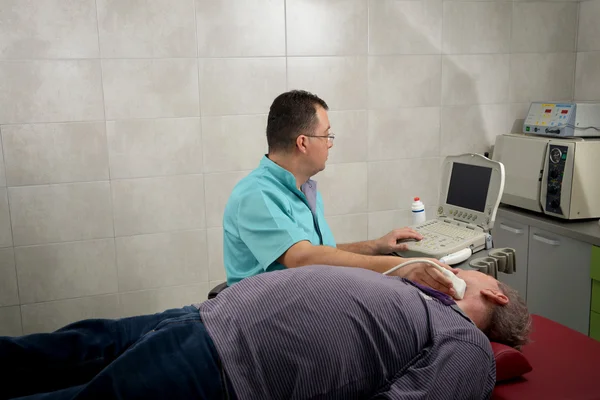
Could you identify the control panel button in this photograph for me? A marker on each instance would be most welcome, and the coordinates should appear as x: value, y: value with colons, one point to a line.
x: 555, y: 155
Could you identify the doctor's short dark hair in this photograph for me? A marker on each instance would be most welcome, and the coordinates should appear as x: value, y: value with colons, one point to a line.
x: 292, y: 114
x: 510, y: 324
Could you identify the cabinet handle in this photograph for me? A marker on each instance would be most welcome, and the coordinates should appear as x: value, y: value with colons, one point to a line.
x: 546, y: 240
x: 511, y: 229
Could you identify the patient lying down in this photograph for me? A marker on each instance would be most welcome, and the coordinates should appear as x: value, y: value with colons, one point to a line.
x: 316, y: 332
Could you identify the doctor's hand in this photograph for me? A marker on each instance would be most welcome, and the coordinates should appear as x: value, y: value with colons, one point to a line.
x: 428, y: 275
x: 389, y: 243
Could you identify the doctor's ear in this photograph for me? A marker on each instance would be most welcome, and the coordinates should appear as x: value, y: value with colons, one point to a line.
x: 301, y: 142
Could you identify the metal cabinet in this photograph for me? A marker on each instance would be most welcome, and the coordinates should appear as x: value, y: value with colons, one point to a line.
x: 558, y: 281
x: 508, y: 233
x: 553, y: 272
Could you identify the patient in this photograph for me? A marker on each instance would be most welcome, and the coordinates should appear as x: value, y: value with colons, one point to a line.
x: 317, y: 332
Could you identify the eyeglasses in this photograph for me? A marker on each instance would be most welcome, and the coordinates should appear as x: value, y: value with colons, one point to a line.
x: 329, y: 137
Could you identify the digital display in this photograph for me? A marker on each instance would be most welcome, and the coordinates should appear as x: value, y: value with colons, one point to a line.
x: 469, y: 186
x: 564, y: 111
x: 548, y: 110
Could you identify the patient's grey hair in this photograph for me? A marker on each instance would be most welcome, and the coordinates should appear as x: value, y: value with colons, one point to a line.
x: 510, y: 324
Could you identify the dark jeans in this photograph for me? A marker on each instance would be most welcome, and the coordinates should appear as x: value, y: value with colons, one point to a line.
x: 161, y: 356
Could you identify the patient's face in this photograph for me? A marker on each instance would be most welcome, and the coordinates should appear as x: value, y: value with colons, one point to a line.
x: 476, y: 281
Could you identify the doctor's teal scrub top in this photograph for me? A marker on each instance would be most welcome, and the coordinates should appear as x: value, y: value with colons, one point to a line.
x: 265, y: 215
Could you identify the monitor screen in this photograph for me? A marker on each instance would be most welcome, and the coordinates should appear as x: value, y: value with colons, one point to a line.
x: 469, y: 186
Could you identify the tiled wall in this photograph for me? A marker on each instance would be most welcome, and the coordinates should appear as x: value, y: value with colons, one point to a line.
x: 126, y: 123
x: 587, y: 75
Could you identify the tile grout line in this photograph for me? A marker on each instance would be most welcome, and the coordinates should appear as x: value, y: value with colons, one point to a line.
x: 12, y: 234
x: 108, y: 159
x: 201, y: 133
x: 576, y: 54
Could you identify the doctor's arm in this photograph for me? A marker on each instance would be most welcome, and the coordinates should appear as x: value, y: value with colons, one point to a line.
x: 384, y: 245
x: 272, y: 234
x: 304, y: 253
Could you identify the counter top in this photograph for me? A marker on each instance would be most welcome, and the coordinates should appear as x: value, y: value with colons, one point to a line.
x: 585, y: 231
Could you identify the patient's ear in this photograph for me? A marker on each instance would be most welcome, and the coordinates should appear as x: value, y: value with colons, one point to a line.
x: 495, y: 296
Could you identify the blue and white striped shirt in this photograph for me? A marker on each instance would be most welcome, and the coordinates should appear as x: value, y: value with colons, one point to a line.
x: 324, y: 332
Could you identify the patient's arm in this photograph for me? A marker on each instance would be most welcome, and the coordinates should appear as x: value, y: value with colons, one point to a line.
x: 455, y: 370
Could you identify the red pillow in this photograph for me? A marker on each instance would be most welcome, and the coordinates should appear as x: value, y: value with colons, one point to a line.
x: 510, y: 363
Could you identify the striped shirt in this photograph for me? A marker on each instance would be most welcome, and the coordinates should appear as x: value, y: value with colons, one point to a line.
x: 323, y: 332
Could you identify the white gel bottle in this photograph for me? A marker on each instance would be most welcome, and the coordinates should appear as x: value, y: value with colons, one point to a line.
x: 418, y: 211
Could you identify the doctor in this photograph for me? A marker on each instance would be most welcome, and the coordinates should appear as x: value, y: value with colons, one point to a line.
x: 274, y: 218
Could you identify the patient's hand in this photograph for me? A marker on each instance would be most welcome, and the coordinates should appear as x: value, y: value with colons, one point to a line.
x: 428, y: 275
x: 393, y: 241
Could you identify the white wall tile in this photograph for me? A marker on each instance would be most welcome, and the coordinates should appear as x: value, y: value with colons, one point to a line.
x: 517, y: 112
x: 350, y: 129
x: 541, y: 77
x: 240, y: 85
x: 233, y: 143
x: 163, y: 259
x: 154, y: 147
x: 2, y: 169
x: 382, y: 222
x: 394, y: 184
x: 589, y: 28
x: 6, y: 238
x: 343, y: 188
x: 587, y: 77
x: 50, y: 316
x: 472, y: 129
x: 48, y: 29
x: 36, y: 91
x: 548, y: 1
x: 55, y: 153
x: 158, y: 300
x: 146, y: 28
x: 218, y: 189
x: 216, y: 267
x: 246, y: 28
x: 349, y: 228
x: 154, y: 205
x: 10, y: 321
x: 340, y: 81
x: 404, y: 81
x: 66, y: 270
x: 405, y: 27
x: 475, y: 79
x: 404, y: 133
x: 333, y: 27
x: 476, y: 27
x: 60, y: 213
x: 9, y: 292
x: 543, y: 27
x: 150, y: 88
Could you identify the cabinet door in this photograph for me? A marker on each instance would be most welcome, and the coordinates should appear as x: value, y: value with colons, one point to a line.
x: 558, y: 282
x: 509, y: 233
